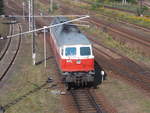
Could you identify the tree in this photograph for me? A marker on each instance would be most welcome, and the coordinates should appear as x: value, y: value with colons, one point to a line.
x: 1, y: 7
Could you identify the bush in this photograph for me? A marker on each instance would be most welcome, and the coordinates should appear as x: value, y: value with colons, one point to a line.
x: 96, y: 5
x: 141, y: 10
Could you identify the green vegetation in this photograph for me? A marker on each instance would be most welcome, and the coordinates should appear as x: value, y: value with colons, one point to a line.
x: 121, y: 47
x: 129, y: 6
x: 45, y: 8
x: 1, y: 7
x: 131, y: 1
x: 102, y: 1
x: 124, y: 97
x: 96, y: 4
x: 117, y: 15
x: 25, y: 78
x: 3, y: 27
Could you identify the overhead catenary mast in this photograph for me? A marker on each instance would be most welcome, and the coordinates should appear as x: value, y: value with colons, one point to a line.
x: 31, y: 27
x: 51, y: 5
x: 33, y: 34
x: 29, y: 18
x: 23, y: 13
x: 124, y: 1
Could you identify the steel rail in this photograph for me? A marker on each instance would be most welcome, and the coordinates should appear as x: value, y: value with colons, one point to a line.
x: 129, y: 36
x: 121, y: 21
x: 3, y: 52
x: 93, y: 101
x: 132, y: 36
x: 119, y: 69
x: 120, y: 55
x: 84, y: 96
x: 14, y: 57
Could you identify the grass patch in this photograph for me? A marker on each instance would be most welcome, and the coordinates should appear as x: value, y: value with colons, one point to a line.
x: 4, y: 28
x: 133, y: 7
x: 123, y: 48
x: 25, y: 78
x: 45, y: 8
x: 117, y: 15
x: 125, y: 97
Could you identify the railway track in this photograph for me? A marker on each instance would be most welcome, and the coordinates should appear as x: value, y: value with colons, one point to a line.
x: 122, y: 32
x: 141, y: 40
x: 126, y: 23
x: 116, y: 19
x: 109, y: 16
x: 85, y: 102
x: 146, y: 3
x: 125, y: 68
x: 109, y: 7
x: 10, y: 55
x: 119, y: 9
x: 4, y: 50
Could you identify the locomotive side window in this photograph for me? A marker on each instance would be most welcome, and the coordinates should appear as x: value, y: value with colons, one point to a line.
x: 70, y: 51
x: 84, y: 51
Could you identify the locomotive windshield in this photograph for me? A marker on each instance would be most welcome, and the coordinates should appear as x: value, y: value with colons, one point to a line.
x: 70, y: 51
x: 85, y: 51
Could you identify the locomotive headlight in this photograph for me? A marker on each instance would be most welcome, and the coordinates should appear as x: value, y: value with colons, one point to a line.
x: 69, y: 61
x: 78, y: 61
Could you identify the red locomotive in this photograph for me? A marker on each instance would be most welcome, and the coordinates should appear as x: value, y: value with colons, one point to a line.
x: 73, y: 52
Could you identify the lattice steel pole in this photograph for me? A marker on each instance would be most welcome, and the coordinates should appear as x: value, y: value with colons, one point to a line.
x: 141, y: 7
x: 29, y: 6
x: 51, y: 5
x: 33, y: 34
x: 23, y: 4
x: 45, y: 27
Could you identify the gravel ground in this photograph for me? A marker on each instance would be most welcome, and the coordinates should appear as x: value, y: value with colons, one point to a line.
x: 24, y: 76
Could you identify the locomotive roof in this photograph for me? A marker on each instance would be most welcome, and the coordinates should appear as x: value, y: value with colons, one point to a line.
x: 68, y: 34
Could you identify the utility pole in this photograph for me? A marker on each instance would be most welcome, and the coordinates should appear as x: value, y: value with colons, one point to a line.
x: 33, y: 34
x: 29, y: 6
x: 45, y: 27
x: 23, y: 4
x: 50, y: 6
x: 31, y: 27
x: 124, y: 1
x: 141, y: 7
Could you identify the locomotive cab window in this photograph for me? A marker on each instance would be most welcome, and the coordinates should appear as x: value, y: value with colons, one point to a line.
x: 85, y: 51
x: 70, y: 51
